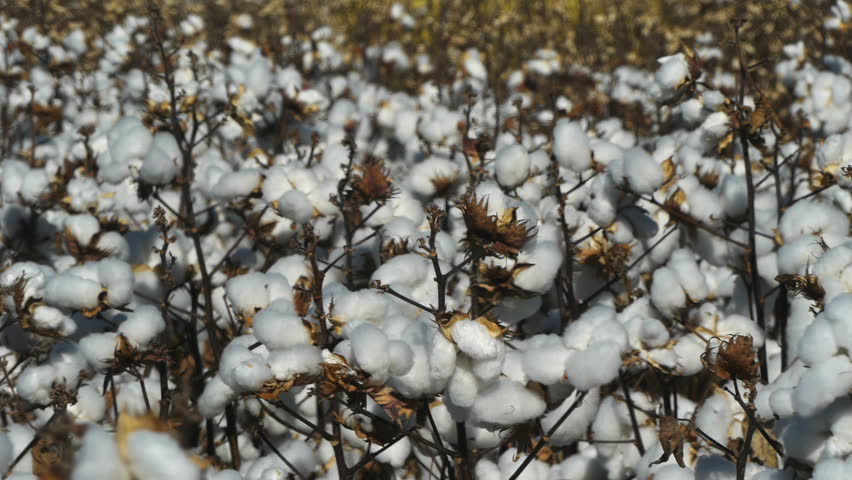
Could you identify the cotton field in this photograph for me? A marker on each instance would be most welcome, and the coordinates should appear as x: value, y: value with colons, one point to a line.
x: 245, y: 241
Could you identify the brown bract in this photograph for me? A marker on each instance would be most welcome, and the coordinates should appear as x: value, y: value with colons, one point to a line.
x: 735, y: 359
x: 504, y: 235
x: 371, y: 183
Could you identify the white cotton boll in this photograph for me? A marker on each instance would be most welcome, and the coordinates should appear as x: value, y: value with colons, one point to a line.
x: 736, y: 324
x: 215, y: 397
x: 512, y: 166
x: 689, y: 275
x: 248, y: 293
x: 672, y: 73
x: 582, y: 466
x: 442, y: 359
x: 667, y: 295
x: 797, y: 254
x: 653, y: 333
x: 117, y: 277
x: 574, y: 427
x: 7, y: 452
x: 82, y: 227
x: 35, y: 185
x: 71, y: 292
x: 689, y: 349
x: 157, y: 456
x: 400, y: 357
x: 370, y: 347
x: 714, y: 127
x: 237, y: 184
x: 571, y: 146
x: 90, y: 406
x: 463, y: 386
x: 251, y: 374
x: 99, y: 349
x: 822, y: 384
x: 279, y: 330
x: 544, y: 358
x: 546, y: 260
x: 837, y: 315
x: 503, y: 403
x: 422, y: 175
x: 734, y: 195
x: 593, y: 367
x: 160, y: 165
x: 142, y: 325
x: 35, y: 383
x: 818, y: 343
x: 115, y: 244
x: 474, y: 339
x: 809, y: 216
x: 50, y: 318
x: 98, y: 457
x: 296, y: 360
x: 643, y: 174
x: 296, y: 206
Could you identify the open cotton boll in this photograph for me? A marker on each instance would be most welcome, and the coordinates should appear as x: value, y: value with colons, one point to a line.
x: 142, y: 325
x: 667, y: 295
x: 503, y: 403
x: 809, y: 216
x: 237, y: 184
x: 544, y: 358
x: 818, y: 343
x: 682, y: 262
x: 279, y: 330
x: 714, y: 127
x: 512, y: 166
x: 98, y: 457
x: 672, y: 73
x: 370, y: 347
x: 35, y: 185
x: 474, y: 339
x: 295, y: 360
x: 82, y: 227
x: 424, y: 175
x: 157, y: 456
x: 642, y: 173
x: 248, y: 293
x: 71, y: 292
x: 251, y: 374
x: 296, y: 206
x: 594, y: 366
x: 571, y: 146
x: 99, y: 349
x: 160, y: 165
x: 227, y: 474
x: 574, y: 427
x: 821, y: 384
x: 546, y: 260
x: 50, y: 318
x: 117, y: 277
x: 463, y: 387
x: 836, y: 314
x: 400, y: 357
x: 215, y: 397
x: 35, y: 383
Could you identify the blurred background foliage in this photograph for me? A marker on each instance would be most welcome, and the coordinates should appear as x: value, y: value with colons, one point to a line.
x: 600, y: 34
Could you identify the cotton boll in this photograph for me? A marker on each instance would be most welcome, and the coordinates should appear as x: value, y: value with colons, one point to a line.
x: 593, y: 367
x: 667, y: 295
x: 370, y: 346
x: 689, y: 349
x: 142, y: 325
x: 296, y: 206
x: 35, y: 383
x: 50, y: 318
x: 400, y: 357
x: 99, y: 349
x: 691, y: 279
x: 35, y: 185
x: 822, y: 384
x: 836, y: 313
x: 90, y: 406
x: 652, y: 333
x: 818, y: 343
x: 98, y: 457
x: 237, y: 184
x: 463, y: 386
x: 82, y: 227
x: 117, y: 277
x: 808, y: 216
x: 474, y: 339
x: 423, y: 175
x: 296, y: 360
x: 574, y: 427
x: 7, y: 452
x: 279, y: 330
x: 672, y: 73
x: 224, y: 475
x: 72, y: 292
x: 544, y: 359
x: 571, y: 146
x: 512, y: 166
x: 714, y: 467
x: 714, y: 127
x: 831, y: 469
x: 644, y: 175
x: 215, y: 397
x: 157, y: 456
x: 546, y: 260
x: 248, y: 293
x: 504, y: 403
x: 160, y: 165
